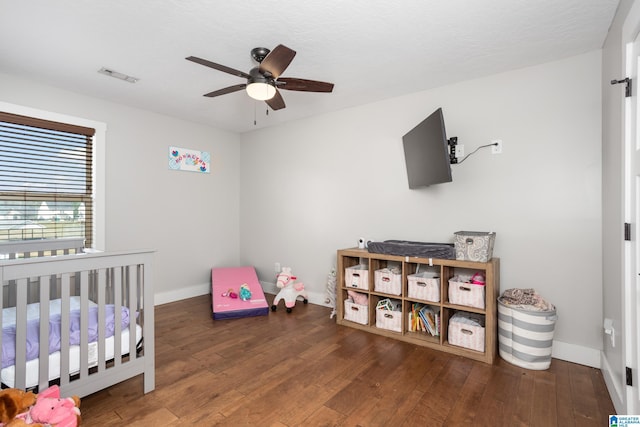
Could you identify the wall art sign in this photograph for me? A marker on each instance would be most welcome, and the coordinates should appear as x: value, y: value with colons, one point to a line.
x: 189, y: 160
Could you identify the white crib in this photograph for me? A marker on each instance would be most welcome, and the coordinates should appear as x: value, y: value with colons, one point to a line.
x: 56, y: 280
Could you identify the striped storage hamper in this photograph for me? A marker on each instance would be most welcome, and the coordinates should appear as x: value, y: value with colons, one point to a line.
x: 525, y: 336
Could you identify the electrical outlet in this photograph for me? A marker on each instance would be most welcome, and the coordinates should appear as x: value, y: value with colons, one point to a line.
x: 497, y: 147
x: 276, y: 267
x: 459, y: 151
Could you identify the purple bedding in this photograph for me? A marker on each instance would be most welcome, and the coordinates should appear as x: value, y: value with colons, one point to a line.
x: 33, y: 332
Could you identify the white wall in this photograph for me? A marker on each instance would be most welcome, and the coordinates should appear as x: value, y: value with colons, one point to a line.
x: 190, y: 219
x: 296, y: 193
x: 314, y: 186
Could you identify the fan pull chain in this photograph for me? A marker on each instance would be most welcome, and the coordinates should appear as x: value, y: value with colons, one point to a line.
x: 255, y: 114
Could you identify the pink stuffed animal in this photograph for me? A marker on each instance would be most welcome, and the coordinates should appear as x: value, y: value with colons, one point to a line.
x: 53, y: 410
x: 289, y: 291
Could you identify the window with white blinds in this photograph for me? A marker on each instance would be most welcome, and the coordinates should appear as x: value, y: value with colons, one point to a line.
x: 46, y: 188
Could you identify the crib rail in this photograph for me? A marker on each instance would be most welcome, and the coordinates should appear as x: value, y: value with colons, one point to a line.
x: 41, y: 247
x: 121, y: 279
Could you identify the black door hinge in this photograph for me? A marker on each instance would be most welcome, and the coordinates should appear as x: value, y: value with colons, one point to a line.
x: 629, y: 377
x: 627, y: 231
x: 627, y: 82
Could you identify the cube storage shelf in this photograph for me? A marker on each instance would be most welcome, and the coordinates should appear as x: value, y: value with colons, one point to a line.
x: 364, y: 317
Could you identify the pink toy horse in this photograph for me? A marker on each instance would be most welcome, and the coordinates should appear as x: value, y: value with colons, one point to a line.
x: 289, y: 291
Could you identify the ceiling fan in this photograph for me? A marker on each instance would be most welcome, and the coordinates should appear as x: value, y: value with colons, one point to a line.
x: 264, y: 80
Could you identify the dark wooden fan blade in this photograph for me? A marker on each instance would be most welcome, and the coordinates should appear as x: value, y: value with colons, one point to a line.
x: 304, y: 85
x: 276, y: 103
x: 277, y: 61
x: 226, y: 90
x: 218, y: 67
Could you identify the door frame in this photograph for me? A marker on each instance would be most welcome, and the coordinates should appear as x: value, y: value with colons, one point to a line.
x: 631, y: 193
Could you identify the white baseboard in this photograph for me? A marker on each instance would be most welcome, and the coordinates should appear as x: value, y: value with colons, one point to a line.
x: 269, y: 288
x: 182, y: 293
x: 614, y: 386
x: 576, y: 354
x: 317, y: 298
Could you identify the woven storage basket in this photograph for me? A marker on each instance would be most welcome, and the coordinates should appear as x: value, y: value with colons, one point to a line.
x: 356, y: 313
x: 389, y: 319
x: 357, y: 277
x: 387, y: 282
x: 467, y: 330
x: 424, y: 286
x: 464, y: 293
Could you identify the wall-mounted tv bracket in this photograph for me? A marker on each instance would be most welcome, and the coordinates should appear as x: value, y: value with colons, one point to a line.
x: 453, y: 141
x: 627, y: 82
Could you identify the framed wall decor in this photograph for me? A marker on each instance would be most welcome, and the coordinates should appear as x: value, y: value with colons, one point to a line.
x: 189, y: 160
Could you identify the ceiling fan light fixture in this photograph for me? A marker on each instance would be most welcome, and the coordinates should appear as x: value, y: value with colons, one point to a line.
x: 263, y: 82
x: 261, y: 91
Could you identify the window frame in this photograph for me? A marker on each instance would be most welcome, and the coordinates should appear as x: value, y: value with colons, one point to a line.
x: 98, y: 155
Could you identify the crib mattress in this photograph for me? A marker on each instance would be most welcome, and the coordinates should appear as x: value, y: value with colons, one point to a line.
x: 8, y: 374
x: 230, y: 278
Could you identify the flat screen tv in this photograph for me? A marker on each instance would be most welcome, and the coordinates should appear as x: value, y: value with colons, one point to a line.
x: 426, y: 152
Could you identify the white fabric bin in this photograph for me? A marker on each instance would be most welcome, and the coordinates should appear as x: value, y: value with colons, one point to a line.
x: 462, y: 292
x: 388, y: 282
x: 357, y: 277
x: 424, y: 286
x: 389, y: 319
x: 467, y: 330
x: 356, y: 313
x: 525, y: 336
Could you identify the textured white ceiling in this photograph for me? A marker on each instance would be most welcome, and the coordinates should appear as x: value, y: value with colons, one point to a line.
x: 370, y: 49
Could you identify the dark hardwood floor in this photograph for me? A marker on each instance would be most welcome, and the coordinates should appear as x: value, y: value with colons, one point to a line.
x: 301, y: 369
